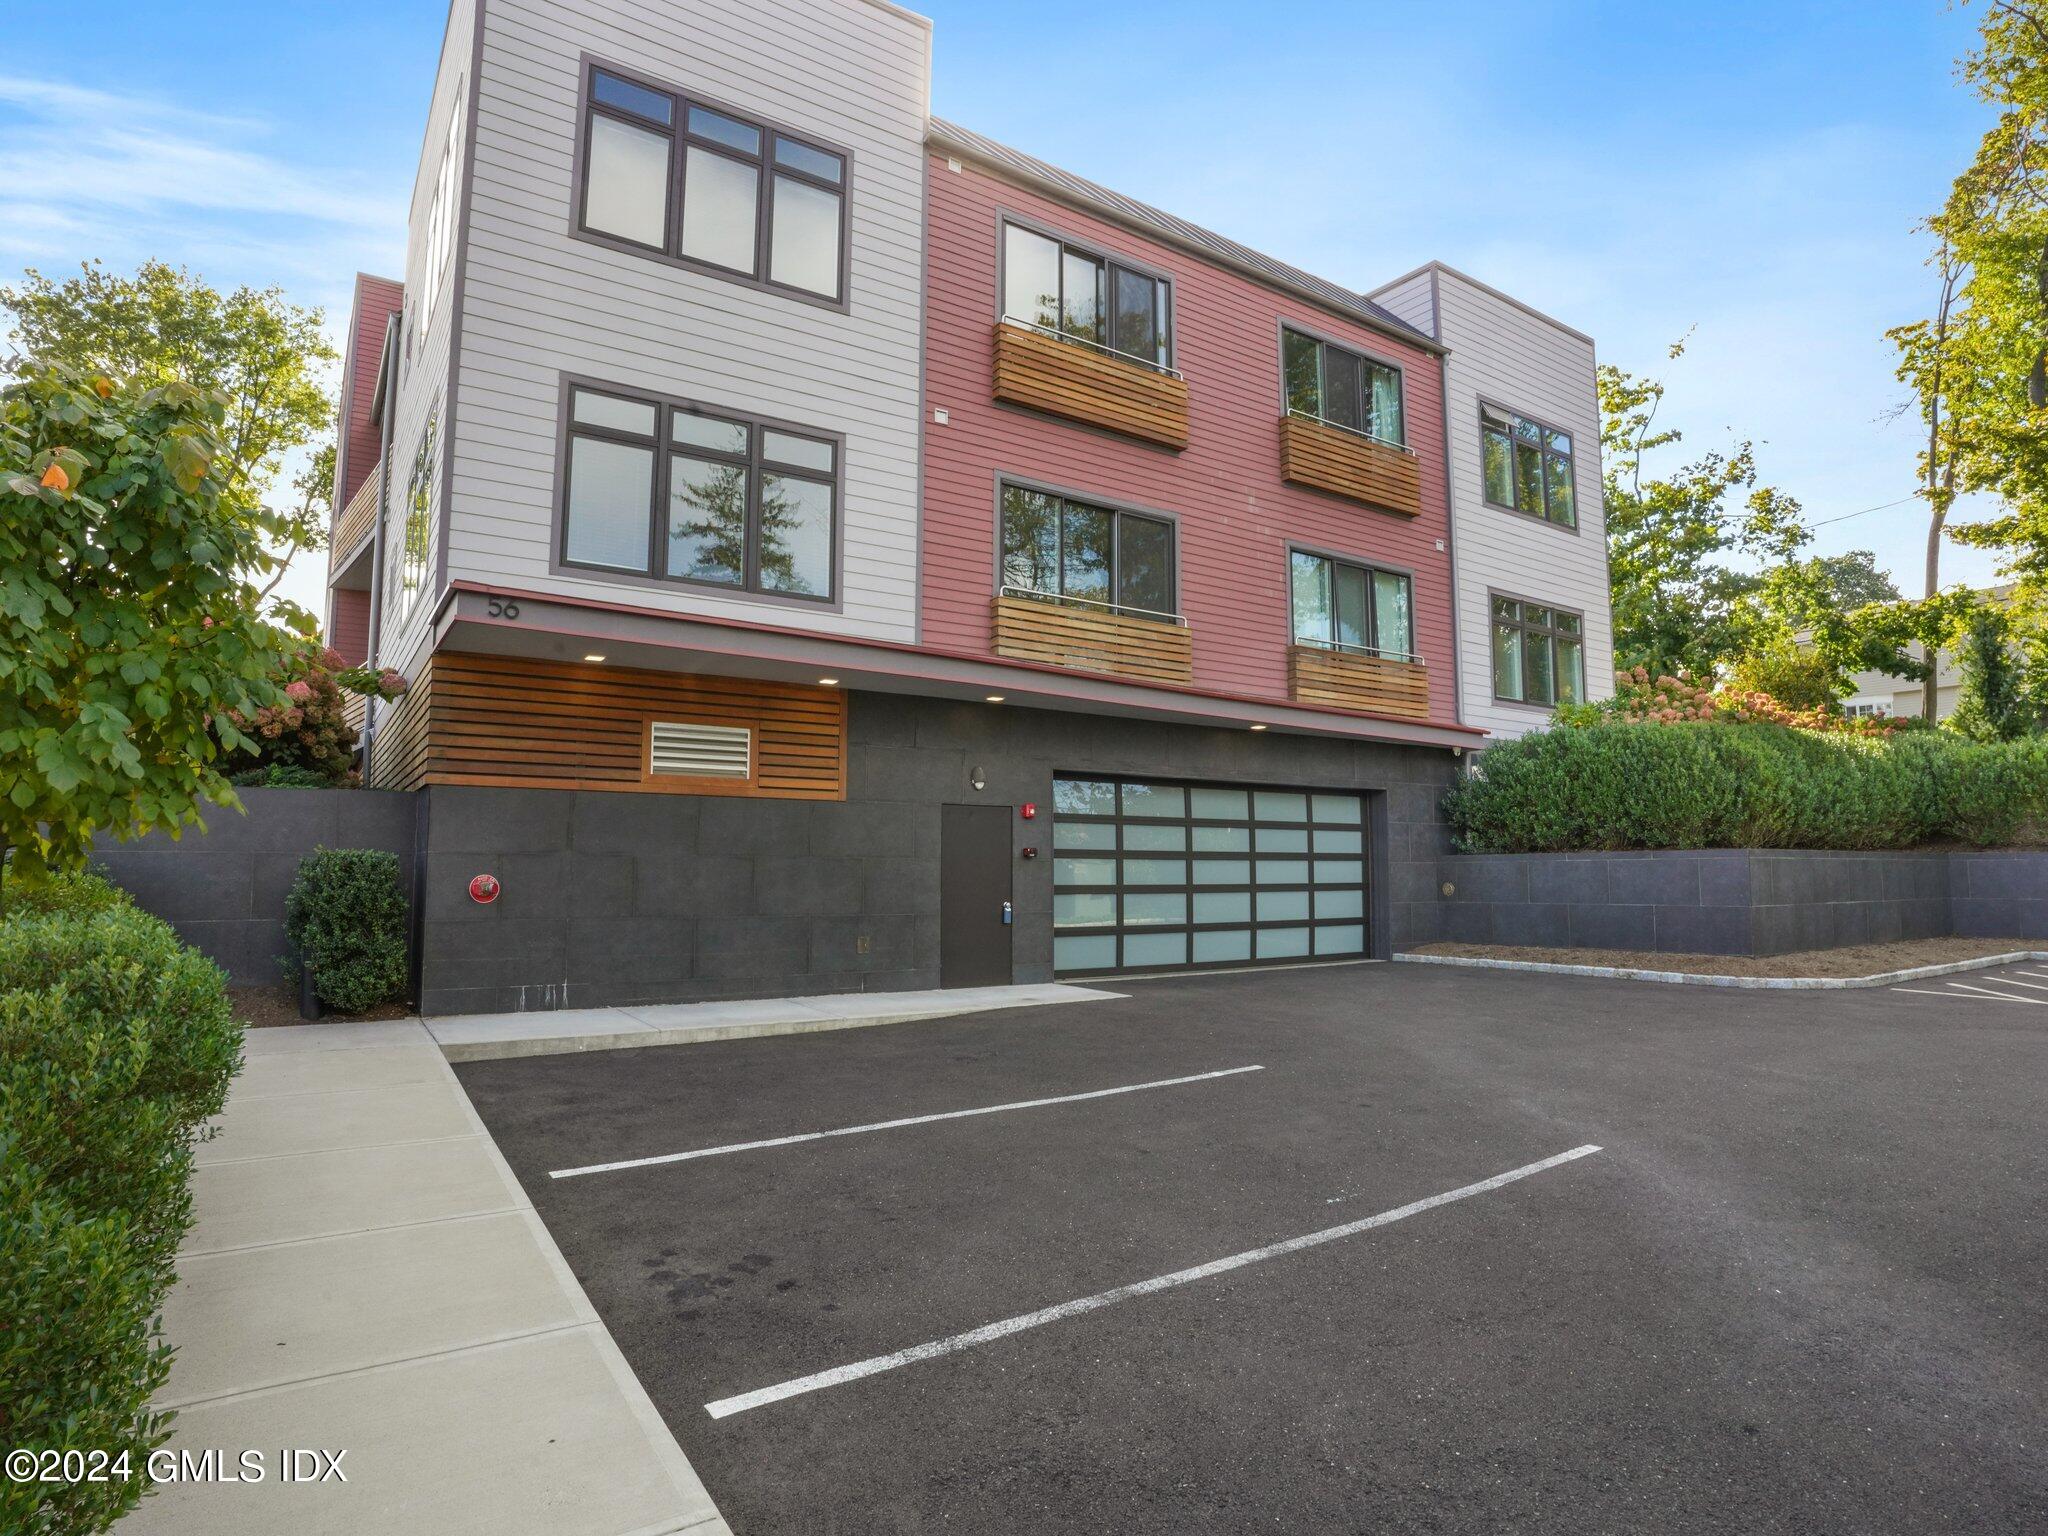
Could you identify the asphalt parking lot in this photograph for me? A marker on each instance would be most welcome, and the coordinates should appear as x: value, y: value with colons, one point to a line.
x: 1798, y: 1287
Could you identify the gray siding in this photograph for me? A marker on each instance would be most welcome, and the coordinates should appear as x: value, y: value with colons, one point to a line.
x: 1513, y: 357
x: 539, y: 303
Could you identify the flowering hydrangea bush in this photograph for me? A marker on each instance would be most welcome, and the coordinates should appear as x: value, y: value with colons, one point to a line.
x: 1644, y: 698
x: 309, y: 734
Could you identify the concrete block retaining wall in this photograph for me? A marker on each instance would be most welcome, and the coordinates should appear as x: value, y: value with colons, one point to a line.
x: 223, y: 888
x: 1738, y: 901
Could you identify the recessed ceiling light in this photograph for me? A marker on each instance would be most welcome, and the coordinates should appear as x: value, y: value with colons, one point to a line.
x: 593, y: 656
x: 995, y: 698
x: 828, y: 682
x: 1258, y: 727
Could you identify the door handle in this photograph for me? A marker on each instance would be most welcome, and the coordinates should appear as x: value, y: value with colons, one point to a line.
x: 1008, y: 915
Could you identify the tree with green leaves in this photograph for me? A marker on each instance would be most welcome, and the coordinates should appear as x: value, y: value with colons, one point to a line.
x: 1674, y: 540
x: 1997, y: 703
x: 130, y: 632
x: 263, y: 355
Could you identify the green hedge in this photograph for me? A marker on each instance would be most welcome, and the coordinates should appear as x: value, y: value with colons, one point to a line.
x: 116, y: 1043
x: 1717, y: 785
x: 345, y: 916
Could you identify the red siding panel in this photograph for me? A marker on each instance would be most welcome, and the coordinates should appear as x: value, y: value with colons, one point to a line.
x: 350, y: 631
x: 1236, y: 516
x: 377, y: 299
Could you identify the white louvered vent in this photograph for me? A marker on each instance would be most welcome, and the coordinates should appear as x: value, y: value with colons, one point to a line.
x: 701, y: 751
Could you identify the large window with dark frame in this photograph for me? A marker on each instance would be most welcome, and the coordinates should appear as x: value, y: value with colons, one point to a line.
x: 1100, y: 557
x: 1356, y: 609
x: 1342, y: 388
x: 662, y: 488
x: 1528, y: 466
x: 1088, y: 298
x: 695, y: 183
x: 1539, y: 653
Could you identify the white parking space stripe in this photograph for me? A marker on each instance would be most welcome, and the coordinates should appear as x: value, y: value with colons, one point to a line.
x: 2042, y: 974
x: 760, y: 1397
x: 2014, y: 981
x: 2010, y: 997
x: 891, y: 1125
x: 1930, y: 992
x: 1987, y: 992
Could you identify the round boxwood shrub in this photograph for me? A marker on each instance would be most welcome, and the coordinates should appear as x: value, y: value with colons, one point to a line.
x: 346, y: 917
x: 71, y: 893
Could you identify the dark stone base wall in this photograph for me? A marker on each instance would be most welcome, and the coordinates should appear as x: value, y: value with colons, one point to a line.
x: 223, y: 889
x: 644, y: 898
x: 1740, y: 901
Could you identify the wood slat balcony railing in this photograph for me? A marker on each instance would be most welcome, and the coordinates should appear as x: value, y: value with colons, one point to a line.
x: 1350, y: 465
x: 1378, y: 685
x: 1092, y: 640
x: 357, y: 518
x: 1071, y: 379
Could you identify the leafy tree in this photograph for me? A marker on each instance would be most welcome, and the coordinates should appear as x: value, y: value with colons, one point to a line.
x: 1798, y: 679
x: 1852, y: 580
x: 125, y: 619
x: 1672, y: 539
x: 265, y: 356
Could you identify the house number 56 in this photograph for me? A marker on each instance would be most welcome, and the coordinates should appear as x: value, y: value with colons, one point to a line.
x: 498, y: 608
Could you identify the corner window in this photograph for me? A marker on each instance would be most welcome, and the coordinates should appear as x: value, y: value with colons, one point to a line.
x: 1539, y: 654
x: 1354, y: 608
x: 1087, y: 298
x: 662, y: 488
x: 1096, y: 556
x: 687, y: 181
x: 441, y: 216
x: 415, y: 531
x: 1341, y: 388
x: 1527, y: 466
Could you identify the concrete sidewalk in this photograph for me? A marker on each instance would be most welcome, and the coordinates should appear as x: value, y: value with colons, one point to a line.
x: 365, y: 1275
x: 490, y: 1036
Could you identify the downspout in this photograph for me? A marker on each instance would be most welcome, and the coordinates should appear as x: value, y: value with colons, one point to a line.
x: 1443, y: 373
x: 373, y: 707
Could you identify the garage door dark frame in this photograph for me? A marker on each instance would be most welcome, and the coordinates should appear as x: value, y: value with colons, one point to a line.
x: 1371, y: 827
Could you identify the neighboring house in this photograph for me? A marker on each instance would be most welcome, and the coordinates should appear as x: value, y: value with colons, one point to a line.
x: 1527, y: 528
x: 951, y: 570
x: 1883, y: 694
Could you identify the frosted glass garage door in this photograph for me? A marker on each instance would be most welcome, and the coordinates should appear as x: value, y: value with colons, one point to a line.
x: 1153, y: 875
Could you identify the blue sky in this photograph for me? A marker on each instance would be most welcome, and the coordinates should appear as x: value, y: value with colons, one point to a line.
x: 1749, y: 172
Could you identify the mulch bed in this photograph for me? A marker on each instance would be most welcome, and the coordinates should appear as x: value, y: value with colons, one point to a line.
x: 1854, y: 960
x: 278, y: 1008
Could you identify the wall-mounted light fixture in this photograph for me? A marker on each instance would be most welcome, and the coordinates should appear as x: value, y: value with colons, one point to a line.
x: 977, y: 778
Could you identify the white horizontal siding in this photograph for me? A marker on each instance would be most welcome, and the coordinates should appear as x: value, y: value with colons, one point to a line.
x: 1514, y: 358
x: 539, y: 303
x: 423, y: 376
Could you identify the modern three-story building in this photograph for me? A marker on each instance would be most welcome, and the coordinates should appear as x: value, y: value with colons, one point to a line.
x: 831, y: 550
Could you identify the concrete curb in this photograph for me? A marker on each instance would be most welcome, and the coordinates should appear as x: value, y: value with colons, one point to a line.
x: 498, y: 1037
x: 1756, y: 983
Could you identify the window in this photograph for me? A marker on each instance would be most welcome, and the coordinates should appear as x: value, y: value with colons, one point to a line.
x: 1353, y: 608
x: 1327, y: 383
x: 696, y: 184
x: 1074, y: 293
x: 1054, y: 547
x: 1528, y: 466
x: 441, y: 218
x: 661, y: 488
x: 409, y: 557
x: 1875, y: 709
x: 1539, y: 654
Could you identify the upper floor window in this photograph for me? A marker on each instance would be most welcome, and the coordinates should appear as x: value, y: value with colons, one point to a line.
x: 661, y: 488
x: 1099, y: 556
x: 1088, y: 298
x: 441, y: 217
x: 1354, y: 608
x: 694, y: 183
x: 1528, y: 466
x: 1539, y: 654
x: 1342, y: 388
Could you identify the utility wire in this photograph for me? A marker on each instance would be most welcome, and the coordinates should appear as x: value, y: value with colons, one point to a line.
x: 1865, y: 512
